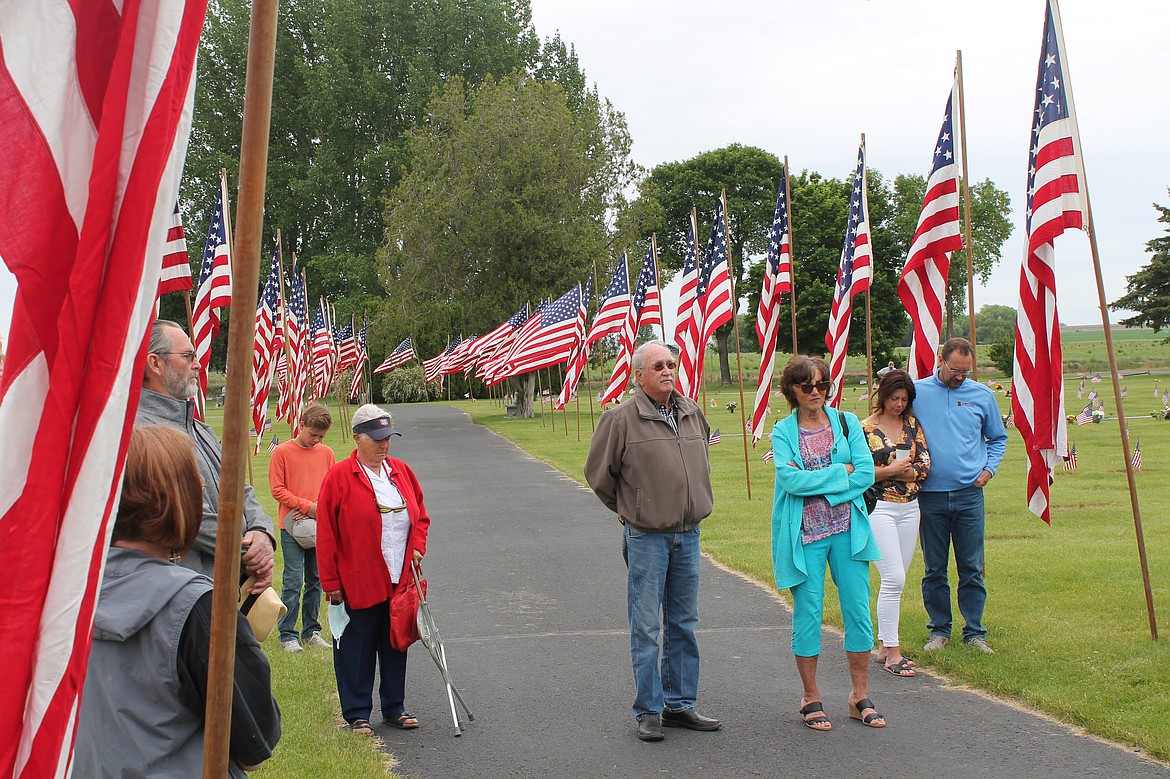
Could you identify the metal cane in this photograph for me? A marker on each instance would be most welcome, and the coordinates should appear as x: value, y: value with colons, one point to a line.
x: 429, y: 634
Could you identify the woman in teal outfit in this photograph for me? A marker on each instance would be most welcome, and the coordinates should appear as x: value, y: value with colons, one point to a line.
x: 823, y: 466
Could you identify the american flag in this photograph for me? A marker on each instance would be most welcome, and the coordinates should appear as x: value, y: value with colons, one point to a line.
x: 852, y: 277
x: 686, y: 329
x: 863, y: 396
x: 1070, y: 462
x: 1094, y: 395
x: 1056, y: 201
x: 96, y: 110
x: 777, y: 280
x: 345, y: 346
x: 769, y: 456
x: 290, y: 367
x: 1166, y: 397
x: 714, y: 290
x: 559, y: 326
x: 923, y: 287
x: 646, y: 296
x: 176, y: 265
x: 491, y: 348
x: 275, y: 442
x: 324, y: 357
x: 1010, y: 420
x: 1086, y: 415
x: 269, y: 340
x: 616, y: 306
x: 214, y: 292
x: 362, y: 358
x: 715, y: 439
x: 1096, y: 378
x: 644, y: 311
x: 402, y: 354
x: 451, y: 357
x: 433, y: 368
x: 1136, y: 460
x: 576, y: 362
x: 1081, y: 390
x: 298, y: 310
x: 1124, y: 392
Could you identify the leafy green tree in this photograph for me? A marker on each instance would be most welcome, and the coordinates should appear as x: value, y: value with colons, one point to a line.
x: 992, y: 323
x: 1148, y: 290
x: 990, y: 228
x: 504, y: 202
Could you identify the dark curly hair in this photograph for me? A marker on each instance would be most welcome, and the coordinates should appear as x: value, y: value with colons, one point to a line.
x: 162, y: 492
x: 801, y: 368
x: 893, y: 381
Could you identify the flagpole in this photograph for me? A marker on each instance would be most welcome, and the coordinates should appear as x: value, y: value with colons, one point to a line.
x: 289, y: 378
x: 1108, y: 328
x: 868, y: 318
x: 967, y: 215
x: 553, y: 415
x: 245, y: 276
x: 657, y: 283
x: 700, y: 348
x: 738, y: 361
x: 791, y: 255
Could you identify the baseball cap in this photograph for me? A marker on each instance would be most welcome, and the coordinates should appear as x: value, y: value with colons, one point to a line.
x: 374, y: 422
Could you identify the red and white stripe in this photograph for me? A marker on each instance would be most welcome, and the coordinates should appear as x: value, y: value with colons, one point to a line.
x: 214, y: 293
x: 95, y: 105
x: 686, y: 329
x: 176, y: 265
x: 777, y: 281
x: 1059, y: 202
x: 267, y: 346
x: 923, y: 286
x: 612, y: 314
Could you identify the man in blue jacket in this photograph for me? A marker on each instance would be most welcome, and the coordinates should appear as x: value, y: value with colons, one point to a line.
x: 967, y: 441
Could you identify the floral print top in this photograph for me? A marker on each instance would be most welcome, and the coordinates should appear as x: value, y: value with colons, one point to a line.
x: 820, y: 520
x: 882, y: 447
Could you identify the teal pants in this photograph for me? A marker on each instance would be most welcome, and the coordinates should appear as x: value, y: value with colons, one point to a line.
x: 808, y: 598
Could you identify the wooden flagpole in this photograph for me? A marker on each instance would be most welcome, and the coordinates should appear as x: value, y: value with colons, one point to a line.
x: 791, y: 255
x: 1122, y: 423
x: 967, y: 215
x: 245, y: 277
x: 869, y: 290
x: 738, y: 361
x: 553, y: 414
x: 700, y: 348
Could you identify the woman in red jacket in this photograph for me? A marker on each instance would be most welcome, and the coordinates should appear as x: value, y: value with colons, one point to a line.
x: 371, y: 523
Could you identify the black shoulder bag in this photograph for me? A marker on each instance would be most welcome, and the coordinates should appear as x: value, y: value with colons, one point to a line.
x: 870, y: 495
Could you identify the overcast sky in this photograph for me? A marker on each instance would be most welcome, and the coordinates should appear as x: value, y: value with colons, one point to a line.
x: 807, y: 78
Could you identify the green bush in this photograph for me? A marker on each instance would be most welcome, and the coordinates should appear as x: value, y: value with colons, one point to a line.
x: 1003, y: 354
x: 407, y: 385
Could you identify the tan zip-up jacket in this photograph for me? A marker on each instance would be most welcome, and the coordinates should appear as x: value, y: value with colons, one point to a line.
x: 649, y: 476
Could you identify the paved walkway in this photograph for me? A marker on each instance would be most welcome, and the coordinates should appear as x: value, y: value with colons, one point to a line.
x: 527, y: 586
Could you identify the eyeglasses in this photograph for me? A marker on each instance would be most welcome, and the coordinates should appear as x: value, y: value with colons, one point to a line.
x: 659, y: 367
x: 188, y: 356
x: 964, y: 372
x: 391, y: 509
x: 822, y: 386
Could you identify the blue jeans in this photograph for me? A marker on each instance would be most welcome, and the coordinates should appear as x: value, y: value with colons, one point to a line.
x: 663, y: 579
x: 953, y: 518
x: 300, y: 566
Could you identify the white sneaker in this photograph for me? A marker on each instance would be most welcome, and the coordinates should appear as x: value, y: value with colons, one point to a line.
x: 292, y: 646
x: 936, y: 642
x: 316, y: 640
x: 980, y: 643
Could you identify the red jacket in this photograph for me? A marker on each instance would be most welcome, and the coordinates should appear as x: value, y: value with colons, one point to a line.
x: 349, y: 531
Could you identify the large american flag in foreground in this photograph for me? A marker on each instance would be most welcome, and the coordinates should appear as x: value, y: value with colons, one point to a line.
x: 95, y: 106
x: 777, y: 281
x: 852, y: 278
x: 1056, y: 200
x: 923, y: 287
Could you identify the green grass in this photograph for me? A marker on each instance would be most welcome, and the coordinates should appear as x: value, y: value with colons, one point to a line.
x: 1066, y: 608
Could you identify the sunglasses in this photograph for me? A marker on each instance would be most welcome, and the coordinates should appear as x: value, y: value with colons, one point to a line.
x: 821, y: 386
x: 391, y: 509
x: 659, y: 367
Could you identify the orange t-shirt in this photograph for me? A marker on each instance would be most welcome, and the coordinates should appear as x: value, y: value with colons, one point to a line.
x: 295, y: 475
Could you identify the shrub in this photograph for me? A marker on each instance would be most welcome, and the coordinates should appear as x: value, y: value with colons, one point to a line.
x: 1003, y: 353
x: 407, y: 385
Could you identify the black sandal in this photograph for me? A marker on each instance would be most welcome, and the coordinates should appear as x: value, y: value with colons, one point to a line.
x: 361, y: 727
x: 901, y: 668
x: 402, y: 721
x: 874, y: 720
x: 814, y: 723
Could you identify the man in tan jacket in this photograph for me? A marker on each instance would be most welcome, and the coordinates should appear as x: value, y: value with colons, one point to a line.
x: 648, y: 464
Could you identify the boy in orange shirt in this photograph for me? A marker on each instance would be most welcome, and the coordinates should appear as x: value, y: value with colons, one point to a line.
x: 294, y: 476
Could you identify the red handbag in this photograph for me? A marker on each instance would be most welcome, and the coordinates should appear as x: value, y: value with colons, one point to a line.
x: 404, y: 613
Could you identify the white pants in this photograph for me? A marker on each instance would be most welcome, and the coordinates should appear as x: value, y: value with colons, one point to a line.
x: 895, y: 528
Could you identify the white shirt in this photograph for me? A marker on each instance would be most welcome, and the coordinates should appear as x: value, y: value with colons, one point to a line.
x: 395, y: 524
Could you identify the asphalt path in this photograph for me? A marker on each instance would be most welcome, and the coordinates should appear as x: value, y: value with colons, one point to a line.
x: 527, y: 587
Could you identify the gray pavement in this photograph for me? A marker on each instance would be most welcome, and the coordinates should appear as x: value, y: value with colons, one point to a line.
x: 527, y: 586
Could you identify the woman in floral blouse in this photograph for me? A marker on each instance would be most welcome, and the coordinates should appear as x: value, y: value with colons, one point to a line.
x: 901, y: 463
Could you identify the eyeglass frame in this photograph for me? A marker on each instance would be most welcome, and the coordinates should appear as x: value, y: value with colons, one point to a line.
x: 189, y: 356
x: 964, y: 373
x: 391, y: 509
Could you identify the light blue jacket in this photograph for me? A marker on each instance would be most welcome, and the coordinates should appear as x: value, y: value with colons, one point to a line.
x: 793, y: 485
